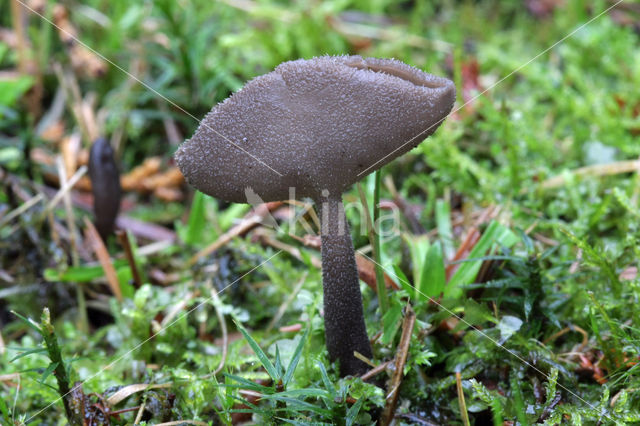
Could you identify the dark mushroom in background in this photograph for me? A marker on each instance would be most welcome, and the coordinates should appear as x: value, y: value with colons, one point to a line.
x: 105, y: 186
x: 318, y: 126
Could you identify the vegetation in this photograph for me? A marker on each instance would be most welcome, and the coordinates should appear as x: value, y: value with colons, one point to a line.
x: 509, y: 239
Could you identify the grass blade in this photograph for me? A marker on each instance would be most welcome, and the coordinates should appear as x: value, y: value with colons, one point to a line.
x: 325, y: 379
x: 28, y: 352
x: 495, y: 235
x: 432, y: 278
x: 28, y: 322
x: 374, y: 240
x: 295, y: 358
x: 352, y: 413
x: 264, y: 360
x: 443, y: 223
x: 245, y: 384
x: 196, y: 222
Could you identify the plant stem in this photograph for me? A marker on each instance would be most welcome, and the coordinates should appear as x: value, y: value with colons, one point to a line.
x: 345, y: 330
x: 374, y: 240
x: 60, y: 371
x: 377, y: 254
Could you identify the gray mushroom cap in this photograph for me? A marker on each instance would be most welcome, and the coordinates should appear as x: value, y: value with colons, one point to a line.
x: 315, y: 124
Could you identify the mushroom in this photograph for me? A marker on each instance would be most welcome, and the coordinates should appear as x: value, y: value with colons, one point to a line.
x: 318, y: 126
x: 105, y: 186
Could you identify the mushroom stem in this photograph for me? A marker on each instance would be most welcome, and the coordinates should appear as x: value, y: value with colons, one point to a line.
x: 345, y: 330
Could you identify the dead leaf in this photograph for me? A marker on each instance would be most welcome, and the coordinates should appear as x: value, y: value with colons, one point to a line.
x: 129, y: 390
x: 103, y: 256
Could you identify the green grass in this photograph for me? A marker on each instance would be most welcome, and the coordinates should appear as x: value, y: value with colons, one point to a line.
x: 537, y: 316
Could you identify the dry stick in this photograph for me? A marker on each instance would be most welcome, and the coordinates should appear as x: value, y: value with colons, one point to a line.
x: 363, y: 358
x: 455, y: 223
x: 266, y: 239
x: 247, y: 223
x: 140, y: 413
x: 400, y: 361
x: 461, y: 402
x: 596, y: 171
x: 367, y: 273
x: 375, y: 370
x: 123, y: 238
x: 103, y: 256
x: 65, y: 187
x: 21, y: 209
x: 83, y: 318
x: 7, y: 379
x: 308, y: 209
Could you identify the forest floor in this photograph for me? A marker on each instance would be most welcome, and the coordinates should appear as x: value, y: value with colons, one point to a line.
x: 509, y: 239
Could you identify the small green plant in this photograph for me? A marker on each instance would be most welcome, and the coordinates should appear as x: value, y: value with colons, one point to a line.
x: 57, y: 365
x: 278, y: 402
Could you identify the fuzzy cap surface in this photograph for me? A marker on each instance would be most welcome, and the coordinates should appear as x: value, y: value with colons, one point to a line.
x: 316, y: 124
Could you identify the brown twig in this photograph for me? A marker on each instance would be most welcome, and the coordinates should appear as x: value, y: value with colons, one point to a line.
x: 400, y: 360
x: 290, y: 328
x: 248, y: 222
x: 376, y: 370
x: 461, y: 402
x: 123, y: 238
x: 265, y: 238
